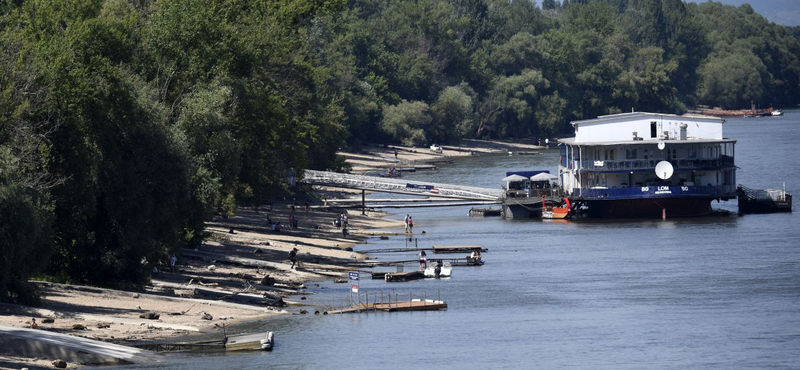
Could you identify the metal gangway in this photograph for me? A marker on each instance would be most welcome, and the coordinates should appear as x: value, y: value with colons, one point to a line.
x: 400, y: 186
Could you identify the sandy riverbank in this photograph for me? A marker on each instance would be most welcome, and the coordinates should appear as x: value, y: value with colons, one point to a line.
x: 227, y: 293
x: 223, y: 281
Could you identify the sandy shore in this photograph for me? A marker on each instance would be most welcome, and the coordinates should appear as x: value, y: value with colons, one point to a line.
x: 205, y: 291
x: 222, y: 282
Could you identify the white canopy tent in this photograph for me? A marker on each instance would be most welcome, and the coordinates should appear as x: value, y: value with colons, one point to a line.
x: 544, y: 176
x: 514, y: 178
x: 516, y: 182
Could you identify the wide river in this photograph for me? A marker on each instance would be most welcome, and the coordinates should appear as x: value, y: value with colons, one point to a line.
x: 699, y: 293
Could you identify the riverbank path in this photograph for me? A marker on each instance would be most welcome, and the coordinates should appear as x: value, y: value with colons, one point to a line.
x: 400, y: 186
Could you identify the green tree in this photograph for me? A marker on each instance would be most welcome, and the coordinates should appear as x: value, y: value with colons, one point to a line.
x: 732, y: 80
x: 452, y: 114
x: 26, y: 241
x: 508, y: 108
x: 407, y: 122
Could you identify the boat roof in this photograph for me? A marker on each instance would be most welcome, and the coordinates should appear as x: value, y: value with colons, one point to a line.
x: 571, y: 141
x: 621, y: 116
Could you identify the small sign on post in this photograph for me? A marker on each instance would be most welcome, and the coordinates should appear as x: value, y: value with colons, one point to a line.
x: 353, y: 275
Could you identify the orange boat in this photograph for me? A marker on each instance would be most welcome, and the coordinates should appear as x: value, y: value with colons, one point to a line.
x: 551, y: 212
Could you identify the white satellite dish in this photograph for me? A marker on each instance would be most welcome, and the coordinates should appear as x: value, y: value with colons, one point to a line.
x: 664, y: 170
x: 661, y: 145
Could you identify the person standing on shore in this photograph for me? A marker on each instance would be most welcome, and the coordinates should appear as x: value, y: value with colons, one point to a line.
x: 410, y: 225
x: 405, y: 222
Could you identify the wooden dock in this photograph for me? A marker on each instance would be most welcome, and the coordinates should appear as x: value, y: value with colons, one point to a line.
x: 457, y: 248
x: 413, y: 305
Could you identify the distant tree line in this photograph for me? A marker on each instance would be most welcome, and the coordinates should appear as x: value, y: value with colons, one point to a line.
x: 126, y: 124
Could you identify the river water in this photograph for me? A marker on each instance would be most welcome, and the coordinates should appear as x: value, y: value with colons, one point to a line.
x: 699, y: 293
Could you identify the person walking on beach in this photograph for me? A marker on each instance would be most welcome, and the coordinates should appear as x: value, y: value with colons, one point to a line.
x: 293, y: 257
x: 410, y: 225
x: 405, y: 222
x: 423, y: 260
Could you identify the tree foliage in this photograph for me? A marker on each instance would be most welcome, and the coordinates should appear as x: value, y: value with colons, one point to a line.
x: 124, y: 126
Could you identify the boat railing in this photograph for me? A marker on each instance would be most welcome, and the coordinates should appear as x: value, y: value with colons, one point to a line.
x: 759, y: 194
x: 648, y: 164
x: 535, y: 193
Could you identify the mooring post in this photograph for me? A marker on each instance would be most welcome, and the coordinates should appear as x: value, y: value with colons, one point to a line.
x: 363, y: 202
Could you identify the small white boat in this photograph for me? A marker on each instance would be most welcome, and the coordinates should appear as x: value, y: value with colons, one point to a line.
x: 777, y: 112
x: 435, y: 148
x: 250, y: 342
x: 436, y: 270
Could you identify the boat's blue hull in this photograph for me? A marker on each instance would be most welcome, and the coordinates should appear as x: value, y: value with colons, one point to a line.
x: 651, y: 201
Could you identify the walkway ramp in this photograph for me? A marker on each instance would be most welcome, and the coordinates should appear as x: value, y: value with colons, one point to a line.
x: 401, y: 186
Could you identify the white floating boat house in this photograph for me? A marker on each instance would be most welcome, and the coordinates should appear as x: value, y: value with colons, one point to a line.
x: 611, y: 162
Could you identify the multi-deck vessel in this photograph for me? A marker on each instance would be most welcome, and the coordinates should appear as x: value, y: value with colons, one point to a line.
x: 609, y: 169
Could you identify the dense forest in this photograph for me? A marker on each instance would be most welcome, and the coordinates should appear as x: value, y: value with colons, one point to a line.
x: 126, y: 124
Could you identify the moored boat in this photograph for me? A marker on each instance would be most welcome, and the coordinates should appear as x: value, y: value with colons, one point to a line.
x: 438, y: 270
x: 250, y: 342
x: 647, y: 165
x: 777, y: 112
x: 752, y: 112
x: 551, y: 212
x: 763, y: 201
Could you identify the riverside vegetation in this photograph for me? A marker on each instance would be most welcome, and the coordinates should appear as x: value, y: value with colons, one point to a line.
x: 125, y: 125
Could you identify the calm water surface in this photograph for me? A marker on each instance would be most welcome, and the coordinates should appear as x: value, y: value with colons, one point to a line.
x: 703, y: 293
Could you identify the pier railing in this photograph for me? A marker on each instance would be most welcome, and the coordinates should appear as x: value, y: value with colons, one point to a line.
x: 400, y: 186
x: 390, y: 300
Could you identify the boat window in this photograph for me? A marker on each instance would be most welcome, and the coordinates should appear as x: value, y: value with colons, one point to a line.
x: 653, y: 129
x: 630, y: 153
